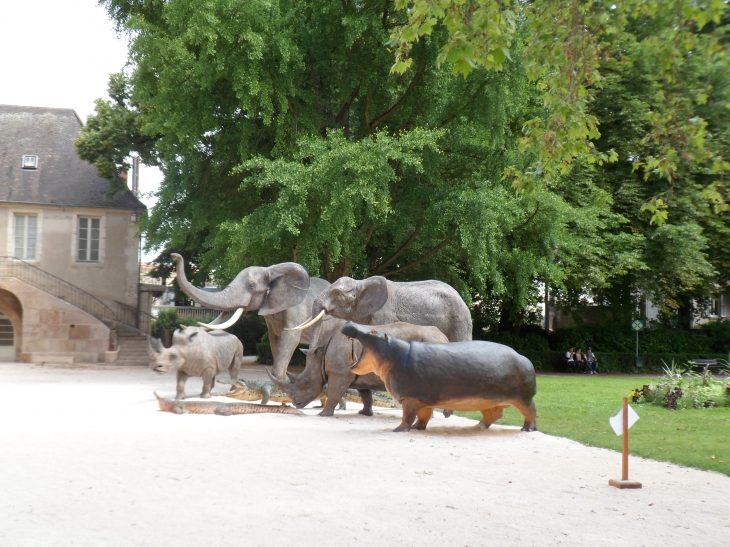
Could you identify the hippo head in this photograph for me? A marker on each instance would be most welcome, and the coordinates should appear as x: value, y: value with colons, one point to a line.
x: 375, y: 346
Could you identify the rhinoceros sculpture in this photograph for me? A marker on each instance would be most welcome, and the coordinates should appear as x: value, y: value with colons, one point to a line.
x: 195, y: 351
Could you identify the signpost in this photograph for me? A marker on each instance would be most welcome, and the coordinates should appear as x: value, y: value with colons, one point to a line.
x: 621, y: 423
x: 637, y: 325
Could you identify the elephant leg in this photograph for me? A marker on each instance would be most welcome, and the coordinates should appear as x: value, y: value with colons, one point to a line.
x: 367, y: 402
x: 529, y: 411
x: 235, y: 368
x: 336, y: 387
x: 208, y: 379
x: 490, y: 415
x: 285, y: 346
x: 424, y: 415
x: 181, y: 379
x: 411, y: 407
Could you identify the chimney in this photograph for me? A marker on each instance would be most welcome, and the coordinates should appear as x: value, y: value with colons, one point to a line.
x: 135, y: 175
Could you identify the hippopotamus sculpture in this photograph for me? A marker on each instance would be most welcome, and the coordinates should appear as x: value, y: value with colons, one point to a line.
x: 195, y: 351
x: 329, y: 361
x: 472, y: 375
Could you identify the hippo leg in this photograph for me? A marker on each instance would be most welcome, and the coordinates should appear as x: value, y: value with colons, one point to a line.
x: 424, y: 415
x: 529, y: 411
x: 336, y: 388
x: 181, y: 379
x: 490, y: 415
x: 367, y: 402
x: 410, y: 411
x: 208, y: 380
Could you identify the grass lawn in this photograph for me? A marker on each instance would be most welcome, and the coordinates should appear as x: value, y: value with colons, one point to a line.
x: 578, y: 407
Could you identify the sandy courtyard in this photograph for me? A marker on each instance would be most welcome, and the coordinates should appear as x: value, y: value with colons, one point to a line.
x: 87, y: 459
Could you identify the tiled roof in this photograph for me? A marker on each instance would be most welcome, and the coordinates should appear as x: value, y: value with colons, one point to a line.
x: 62, y: 178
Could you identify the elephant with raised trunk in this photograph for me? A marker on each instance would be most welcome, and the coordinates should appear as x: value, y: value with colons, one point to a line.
x: 283, y: 293
x: 379, y: 301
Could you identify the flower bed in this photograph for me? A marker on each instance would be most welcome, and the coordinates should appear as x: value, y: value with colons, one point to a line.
x: 680, y: 388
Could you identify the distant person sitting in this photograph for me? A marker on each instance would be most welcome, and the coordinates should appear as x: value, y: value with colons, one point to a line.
x: 592, y: 361
x: 570, y: 359
x: 580, y: 363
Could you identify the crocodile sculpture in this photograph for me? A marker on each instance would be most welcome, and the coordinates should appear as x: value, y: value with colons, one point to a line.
x: 265, y: 391
x: 221, y: 409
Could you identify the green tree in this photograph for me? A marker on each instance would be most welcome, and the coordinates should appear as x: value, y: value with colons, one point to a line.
x: 283, y: 134
x: 566, y: 44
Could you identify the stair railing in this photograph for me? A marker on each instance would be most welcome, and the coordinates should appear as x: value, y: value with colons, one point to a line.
x: 41, y: 279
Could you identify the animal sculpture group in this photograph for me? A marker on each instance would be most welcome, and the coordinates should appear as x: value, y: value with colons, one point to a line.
x: 412, y: 339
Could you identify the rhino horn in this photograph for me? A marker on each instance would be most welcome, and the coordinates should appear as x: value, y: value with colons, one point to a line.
x: 292, y: 377
x: 281, y: 384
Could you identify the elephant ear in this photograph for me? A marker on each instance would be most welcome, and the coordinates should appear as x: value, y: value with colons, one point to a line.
x: 372, y: 296
x: 288, y: 286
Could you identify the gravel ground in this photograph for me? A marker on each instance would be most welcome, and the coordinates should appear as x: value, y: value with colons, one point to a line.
x: 86, y: 459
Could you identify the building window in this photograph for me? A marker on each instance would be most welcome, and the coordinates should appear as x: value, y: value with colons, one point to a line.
x: 88, y: 249
x: 30, y: 162
x: 25, y: 236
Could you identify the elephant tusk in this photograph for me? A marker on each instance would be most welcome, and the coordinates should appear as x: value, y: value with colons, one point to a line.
x: 218, y: 319
x: 213, y: 326
x: 310, y: 323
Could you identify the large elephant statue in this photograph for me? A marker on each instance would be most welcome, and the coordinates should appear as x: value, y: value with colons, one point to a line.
x: 379, y: 301
x: 283, y: 293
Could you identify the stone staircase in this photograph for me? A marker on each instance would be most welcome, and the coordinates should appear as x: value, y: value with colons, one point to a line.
x: 132, y: 348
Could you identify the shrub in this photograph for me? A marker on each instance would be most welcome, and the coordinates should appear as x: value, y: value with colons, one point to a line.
x: 265, y: 357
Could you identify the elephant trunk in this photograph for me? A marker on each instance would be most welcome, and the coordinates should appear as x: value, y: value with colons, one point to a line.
x: 217, y: 300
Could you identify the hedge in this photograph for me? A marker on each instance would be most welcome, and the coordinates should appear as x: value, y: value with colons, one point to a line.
x: 554, y: 361
x: 265, y: 357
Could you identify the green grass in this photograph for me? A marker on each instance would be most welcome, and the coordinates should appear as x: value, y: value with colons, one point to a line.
x: 578, y: 407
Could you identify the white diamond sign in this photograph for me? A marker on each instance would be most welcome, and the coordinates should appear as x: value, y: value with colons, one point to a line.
x: 617, y: 421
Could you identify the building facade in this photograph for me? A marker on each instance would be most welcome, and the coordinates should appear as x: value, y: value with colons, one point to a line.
x: 69, y: 256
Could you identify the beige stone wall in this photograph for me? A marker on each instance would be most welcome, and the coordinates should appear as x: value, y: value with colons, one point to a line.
x: 53, y: 330
x: 113, y: 278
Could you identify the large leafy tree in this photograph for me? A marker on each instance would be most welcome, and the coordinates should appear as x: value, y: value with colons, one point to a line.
x: 566, y: 44
x: 284, y: 134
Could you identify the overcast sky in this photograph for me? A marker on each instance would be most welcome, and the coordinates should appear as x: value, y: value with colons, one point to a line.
x: 59, y: 53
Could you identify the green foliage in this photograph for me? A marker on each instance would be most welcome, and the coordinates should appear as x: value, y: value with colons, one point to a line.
x: 265, y: 357
x: 578, y: 407
x: 168, y: 319
x: 569, y: 46
x: 283, y: 134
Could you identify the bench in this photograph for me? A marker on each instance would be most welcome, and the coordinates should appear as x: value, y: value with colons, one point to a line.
x: 705, y: 364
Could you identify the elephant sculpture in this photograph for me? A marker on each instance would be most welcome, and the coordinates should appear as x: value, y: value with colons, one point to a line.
x: 283, y: 293
x: 378, y: 301
x: 329, y: 362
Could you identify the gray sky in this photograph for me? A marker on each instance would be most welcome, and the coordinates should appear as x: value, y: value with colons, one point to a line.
x: 59, y: 53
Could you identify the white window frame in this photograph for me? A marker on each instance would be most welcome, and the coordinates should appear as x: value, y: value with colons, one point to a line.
x: 14, y: 213
x: 76, y: 233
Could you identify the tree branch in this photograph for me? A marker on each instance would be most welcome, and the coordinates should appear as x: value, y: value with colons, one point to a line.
x: 346, y: 105
x: 402, y: 249
x: 393, y: 109
x: 537, y: 208
x: 425, y: 257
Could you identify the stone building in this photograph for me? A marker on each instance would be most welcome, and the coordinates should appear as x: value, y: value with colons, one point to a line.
x: 69, y: 257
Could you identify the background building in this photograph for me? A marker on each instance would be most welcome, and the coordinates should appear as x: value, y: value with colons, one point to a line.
x: 69, y: 256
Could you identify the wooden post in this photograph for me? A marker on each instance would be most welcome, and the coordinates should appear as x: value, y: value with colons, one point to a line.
x: 625, y: 482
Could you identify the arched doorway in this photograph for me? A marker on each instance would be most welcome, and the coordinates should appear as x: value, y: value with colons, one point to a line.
x: 11, y: 326
x: 7, y: 338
